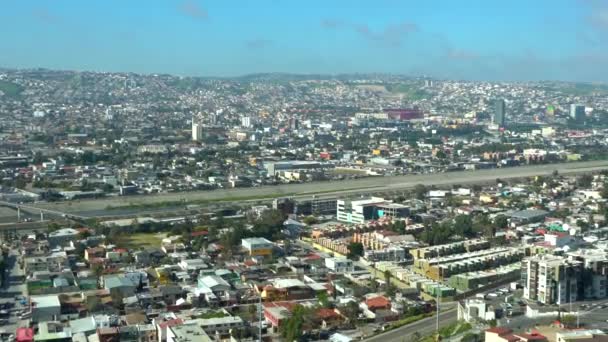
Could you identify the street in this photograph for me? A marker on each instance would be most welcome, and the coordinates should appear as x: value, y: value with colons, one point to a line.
x: 15, y: 286
x: 424, y: 327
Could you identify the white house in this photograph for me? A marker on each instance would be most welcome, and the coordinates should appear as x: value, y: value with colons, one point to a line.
x: 339, y: 265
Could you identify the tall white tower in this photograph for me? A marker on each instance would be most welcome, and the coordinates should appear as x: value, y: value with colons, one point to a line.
x: 197, y: 131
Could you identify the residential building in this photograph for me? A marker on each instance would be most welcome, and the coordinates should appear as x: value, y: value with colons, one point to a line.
x: 577, y: 112
x: 187, y: 333
x: 45, y: 308
x: 373, y: 208
x: 246, y: 121
x: 62, y: 237
x: 472, y: 310
x: 339, y: 265
x: 258, y: 247
x: 587, y: 335
x: 220, y: 325
x: 551, y: 279
x: 197, y: 131
x: 595, y: 272
x: 499, y: 113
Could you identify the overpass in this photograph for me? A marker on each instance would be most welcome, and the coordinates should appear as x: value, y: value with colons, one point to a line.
x: 53, y: 213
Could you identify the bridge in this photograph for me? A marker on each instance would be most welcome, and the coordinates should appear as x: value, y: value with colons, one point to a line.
x: 34, y: 210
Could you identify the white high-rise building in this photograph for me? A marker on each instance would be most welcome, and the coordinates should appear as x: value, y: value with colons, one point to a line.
x: 551, y: 279
x: 577, y: 112
x: 197, y: 131
x: 246, y: 121
x: 212, y: 118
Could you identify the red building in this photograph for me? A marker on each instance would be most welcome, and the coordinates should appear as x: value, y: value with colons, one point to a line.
x: 378, y: 303
x: 277, y: 313
x: 24, y: 335
x: 404, y: 114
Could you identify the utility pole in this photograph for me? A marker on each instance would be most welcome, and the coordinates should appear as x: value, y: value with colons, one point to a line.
x: 18, y: 214
x: 260, y: 317
x: 437, y: 318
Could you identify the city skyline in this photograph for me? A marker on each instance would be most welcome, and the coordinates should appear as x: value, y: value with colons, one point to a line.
x: 547, y: 40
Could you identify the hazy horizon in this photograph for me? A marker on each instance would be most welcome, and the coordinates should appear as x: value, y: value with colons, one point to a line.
x: 562, y: 40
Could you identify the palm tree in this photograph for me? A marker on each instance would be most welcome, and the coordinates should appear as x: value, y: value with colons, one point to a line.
x: 387, y: 277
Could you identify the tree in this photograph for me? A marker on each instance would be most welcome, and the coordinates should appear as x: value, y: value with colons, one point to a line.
x: 53, y: 226
x: 85, y: 233
x: 390, y: 290
x: 269, y: 225
x: 463, y: 226
x: 470, y: 337
x: 20, y: 182
x: 569, y: 321
x: 350, y: 311
x: 398, y: 227
x: 98, y: 270
x: 584, y: 181
x: 387, y: 277
x: 2, y: 272
x: 420, y: 191
x: 482, y: 224
x: 501, y: 221
x: 117, y: 299
x: 310, y: 220
x: 292, y: 329
x: 93, y: 304
x: 323, y: 299
x: 355, y: 250
x: 604, y: 192
x: 38, y: 158
x: 438, y: 233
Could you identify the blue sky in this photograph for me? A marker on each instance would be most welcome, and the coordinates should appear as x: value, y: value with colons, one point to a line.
x: 463, y: 39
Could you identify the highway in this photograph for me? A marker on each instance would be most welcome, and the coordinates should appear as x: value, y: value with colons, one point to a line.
x: 109, y: 206
x: 424, y: 327
x: 375, y: 184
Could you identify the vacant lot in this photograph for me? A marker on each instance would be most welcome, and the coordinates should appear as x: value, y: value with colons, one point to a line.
x: 142, y: 240
x: 10, y: 89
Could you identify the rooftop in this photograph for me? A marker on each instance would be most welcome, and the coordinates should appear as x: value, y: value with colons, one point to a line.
x: 189, y: 333
x: 45, y: 301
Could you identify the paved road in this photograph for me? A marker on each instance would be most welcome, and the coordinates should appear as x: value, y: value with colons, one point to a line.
x: 423, y: 327
x: 25, y: 227
x: 15, y: 287
x: 306, y: 190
